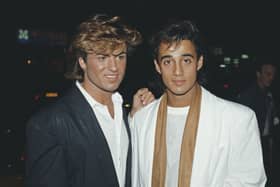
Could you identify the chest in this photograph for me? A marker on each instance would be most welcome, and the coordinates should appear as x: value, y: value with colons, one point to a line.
x: 211, y: 152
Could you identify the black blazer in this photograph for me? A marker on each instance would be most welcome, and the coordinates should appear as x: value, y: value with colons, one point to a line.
x: 66, y: 147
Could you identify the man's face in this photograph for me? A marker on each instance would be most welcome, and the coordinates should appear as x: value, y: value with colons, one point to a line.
x: 104, y: 71
x: 266, y: 75
x: 178, y: 66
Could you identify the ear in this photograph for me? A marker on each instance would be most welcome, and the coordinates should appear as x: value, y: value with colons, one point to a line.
x: 157, y: 66
x: 82, y: 63
x: 200, y: 63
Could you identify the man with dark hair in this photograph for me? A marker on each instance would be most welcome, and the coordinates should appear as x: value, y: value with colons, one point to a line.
x: 83, y: 140
x: 190, y: 137
x: 259, y: 98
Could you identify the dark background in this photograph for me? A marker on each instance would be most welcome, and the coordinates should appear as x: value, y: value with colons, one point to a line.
x: 236, y: 27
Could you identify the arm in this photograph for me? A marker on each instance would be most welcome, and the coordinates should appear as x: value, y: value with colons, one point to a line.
x: 45, y: 162
x: 245, y: 167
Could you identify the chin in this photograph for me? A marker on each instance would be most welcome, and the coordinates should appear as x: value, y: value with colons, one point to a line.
x: 178, y: 93
x: 113, y: 89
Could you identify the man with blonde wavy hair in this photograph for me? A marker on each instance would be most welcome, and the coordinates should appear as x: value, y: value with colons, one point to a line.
x: 83, y: 140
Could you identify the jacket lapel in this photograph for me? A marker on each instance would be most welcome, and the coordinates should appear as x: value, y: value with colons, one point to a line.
x: 97, y: 139
x: 128, y: 161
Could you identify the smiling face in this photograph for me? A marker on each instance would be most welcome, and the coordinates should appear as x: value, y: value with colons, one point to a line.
x: 178, y: 65
x: 104, y: 71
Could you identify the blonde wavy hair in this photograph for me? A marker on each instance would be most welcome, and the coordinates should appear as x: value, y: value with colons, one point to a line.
x: 99, y: 33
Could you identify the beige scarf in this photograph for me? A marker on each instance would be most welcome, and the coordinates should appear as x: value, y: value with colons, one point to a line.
x: 187, y: 147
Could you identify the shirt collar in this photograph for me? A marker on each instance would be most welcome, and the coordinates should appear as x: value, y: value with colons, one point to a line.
x: 116, y: 97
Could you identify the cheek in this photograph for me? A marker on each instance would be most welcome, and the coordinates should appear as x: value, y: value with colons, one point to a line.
x: 166, y: 77
x: 191, y: 72
x: 94, y: 69
x: 94, y: 65
x: 122, y: 67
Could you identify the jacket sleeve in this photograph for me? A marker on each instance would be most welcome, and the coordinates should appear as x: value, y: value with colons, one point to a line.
x: 45, y: 160
x: 245, y: 166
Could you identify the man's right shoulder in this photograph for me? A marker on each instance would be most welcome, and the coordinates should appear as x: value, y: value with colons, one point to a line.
x: 143, y: 119
x: 148, y: 108
x: 48, y: 114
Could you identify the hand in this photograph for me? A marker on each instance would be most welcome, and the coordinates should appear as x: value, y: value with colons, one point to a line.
x: 142, y: 97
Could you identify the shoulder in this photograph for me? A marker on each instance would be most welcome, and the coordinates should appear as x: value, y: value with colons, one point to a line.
x: 151, y: 107
x: 145, y: 117
x: 49, y: 117
x: 226, y: 107
x: 236, y: 120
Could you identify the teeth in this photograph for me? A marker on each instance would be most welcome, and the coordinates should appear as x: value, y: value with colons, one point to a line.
x: 111, y: 76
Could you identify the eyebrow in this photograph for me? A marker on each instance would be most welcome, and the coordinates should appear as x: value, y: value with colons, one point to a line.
x: 121, y: 53
x: 101, y: 54
x: 169, y: 56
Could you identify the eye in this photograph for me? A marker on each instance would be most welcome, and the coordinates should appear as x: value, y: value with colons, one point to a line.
x: 121, y: 57
x: 187, y: 60
x: 101, y: 58
x: 166, y: 62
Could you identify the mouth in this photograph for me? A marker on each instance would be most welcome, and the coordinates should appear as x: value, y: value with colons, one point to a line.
x: 179, y: 82
x: 112, y: 76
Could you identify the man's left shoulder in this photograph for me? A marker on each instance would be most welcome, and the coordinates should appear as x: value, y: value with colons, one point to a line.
x: 227, y: 106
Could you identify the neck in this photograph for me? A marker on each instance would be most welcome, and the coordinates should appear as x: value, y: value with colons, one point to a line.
x: 261, y: 86
x: 184, y: 100
x: 102, y: 97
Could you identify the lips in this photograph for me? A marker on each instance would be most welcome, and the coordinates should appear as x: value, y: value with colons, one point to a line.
x: 112, y: 76
x: 178, y: 82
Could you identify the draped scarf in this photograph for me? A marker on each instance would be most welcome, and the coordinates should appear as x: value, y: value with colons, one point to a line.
x: 187, y: 145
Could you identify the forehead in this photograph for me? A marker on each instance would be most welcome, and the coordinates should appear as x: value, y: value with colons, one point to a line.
x: 184, y: 46
x: 268, y: 68
x: 108, y: 47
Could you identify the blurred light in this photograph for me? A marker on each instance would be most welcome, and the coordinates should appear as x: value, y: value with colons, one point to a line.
x: 23, y: 34
x: 227, y: 60
x: 226, y: 86
x: 244, y: 56
x: 235, y: 61
x: 127, y: 105
x: 41, y: 37
x: 37, y: 97
x: 10, y: 165
x: 28, y: 61
x: 7, y: 131
x: 222, y: 66
x: 51, y: 94
x: 22, y: 157
x: 217, y: 51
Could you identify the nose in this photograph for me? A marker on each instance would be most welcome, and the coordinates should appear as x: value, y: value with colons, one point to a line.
x: 178, y: 70
x: 112, y: 64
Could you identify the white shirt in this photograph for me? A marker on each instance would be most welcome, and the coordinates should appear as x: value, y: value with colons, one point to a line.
x: 227, y: 152
x: 175, y: 125
x: 114, y: 130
